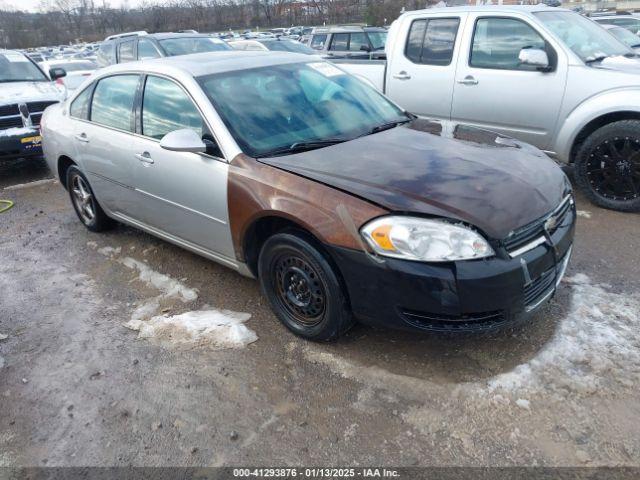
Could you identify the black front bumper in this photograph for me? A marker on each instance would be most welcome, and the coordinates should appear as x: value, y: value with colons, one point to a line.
x: 472, y: 295
x: 25, y: 143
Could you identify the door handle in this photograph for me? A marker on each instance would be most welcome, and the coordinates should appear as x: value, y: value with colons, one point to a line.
x: 468, y: 80
x: 82, y: 138
x: 402, y: 75
x: 144, y: 157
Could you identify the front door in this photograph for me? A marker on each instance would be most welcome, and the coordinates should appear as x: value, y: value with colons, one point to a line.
x: 493, y: 90
x: 180, y: 194
x: 422, y: 71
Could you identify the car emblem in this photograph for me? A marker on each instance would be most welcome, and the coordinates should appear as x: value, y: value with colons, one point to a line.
x: 550, y: 224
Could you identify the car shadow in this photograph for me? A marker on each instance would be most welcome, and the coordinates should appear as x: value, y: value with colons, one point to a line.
x: 23, y: 170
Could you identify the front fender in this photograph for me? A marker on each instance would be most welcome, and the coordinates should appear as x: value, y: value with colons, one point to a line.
x: 621, y: 100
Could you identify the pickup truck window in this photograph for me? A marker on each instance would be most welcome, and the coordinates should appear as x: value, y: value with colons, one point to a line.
x: 357, y: 41
x: 317, y: 42
x: 497, y: 43
x: 113, y: 101
x: 146, y: 49
x: 431, y: 41
x: 125, y: 52
x: 166, y: 107
x: 587, y: 39
x: 340, y: 42
x: 272, y: 108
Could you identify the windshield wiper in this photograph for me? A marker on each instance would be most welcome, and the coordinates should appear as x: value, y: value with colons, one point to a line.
x: 384, y: 126
x: 303, y: 147
x: 599, y: 58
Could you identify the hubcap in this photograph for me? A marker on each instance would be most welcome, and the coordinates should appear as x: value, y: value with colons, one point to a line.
x: 613, y: 168
x: 83, y: 199
x: 299, y: 289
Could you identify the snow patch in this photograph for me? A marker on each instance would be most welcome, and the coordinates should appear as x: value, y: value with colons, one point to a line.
x: 92, y: 244
x: 20, y: 186
x: 1, y: 362
x: 596, y: 343
x: 219, y: 328
x: 167, y: 285
x: 583, y: 213
x: 522, y: 403
x: 109, y: 251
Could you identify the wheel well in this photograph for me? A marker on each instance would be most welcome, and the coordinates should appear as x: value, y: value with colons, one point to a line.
x: 595, y: 124
x: 64, y: 163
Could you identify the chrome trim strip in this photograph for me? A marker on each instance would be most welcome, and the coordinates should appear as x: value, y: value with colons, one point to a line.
x: 565, y: 264
x: 542, y: 300
x: 529, y: 246
x: 181, y: 206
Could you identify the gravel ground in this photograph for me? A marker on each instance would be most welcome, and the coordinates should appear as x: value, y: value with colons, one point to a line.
x: 77, y: 388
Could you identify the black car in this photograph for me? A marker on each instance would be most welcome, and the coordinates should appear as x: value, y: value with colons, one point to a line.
x: 129, y: 47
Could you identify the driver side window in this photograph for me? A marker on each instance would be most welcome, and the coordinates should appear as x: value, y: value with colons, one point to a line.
x: 166, y: 107
x: 497, y: 43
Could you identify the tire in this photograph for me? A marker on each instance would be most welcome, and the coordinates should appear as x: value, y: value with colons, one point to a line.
x: 607, y: 166
x: 85, y: 203
x: 303, y: 288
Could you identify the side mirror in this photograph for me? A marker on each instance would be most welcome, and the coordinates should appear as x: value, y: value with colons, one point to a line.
x: 184, y: 140
x: 534, y: 57
x: 365, y: 48
x: 56, y: 73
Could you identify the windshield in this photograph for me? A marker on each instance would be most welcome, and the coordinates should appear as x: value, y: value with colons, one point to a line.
x: 270, y: 108
x: 378, y: 39
x: 288, y: 46
x: 187, y: 45
x: 15, y: 67
x: 74, y: 67
x: 587, y: 39
x: 625, y: 36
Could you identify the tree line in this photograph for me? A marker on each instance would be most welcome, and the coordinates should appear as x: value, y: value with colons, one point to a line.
x: 70, y: 21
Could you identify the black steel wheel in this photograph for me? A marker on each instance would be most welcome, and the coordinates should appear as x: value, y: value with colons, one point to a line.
x: 608, y: 166
x: 303, y: 288
x: 85, y: 203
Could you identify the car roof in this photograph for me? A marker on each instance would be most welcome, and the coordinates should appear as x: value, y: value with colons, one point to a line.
x: 199, y: 64
x: 541, y: 7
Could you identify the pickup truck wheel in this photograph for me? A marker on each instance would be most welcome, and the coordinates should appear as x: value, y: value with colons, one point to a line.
x: 84, y: 202
x: 608, y: 166
x: 303, y: 289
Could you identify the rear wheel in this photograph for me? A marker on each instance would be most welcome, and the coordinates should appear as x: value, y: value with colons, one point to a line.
x: 608, y: 166
x: 303, y: 288
x: 84, y: 202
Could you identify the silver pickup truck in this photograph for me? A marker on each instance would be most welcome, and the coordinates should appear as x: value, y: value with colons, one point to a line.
x: 548, y: 76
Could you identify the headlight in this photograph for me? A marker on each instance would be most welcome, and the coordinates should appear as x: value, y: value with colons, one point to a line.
x: 421, y: 239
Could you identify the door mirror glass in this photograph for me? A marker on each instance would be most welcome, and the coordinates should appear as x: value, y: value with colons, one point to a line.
x: 534, y: 57
x: 56, y: 73
x: 185, y: 140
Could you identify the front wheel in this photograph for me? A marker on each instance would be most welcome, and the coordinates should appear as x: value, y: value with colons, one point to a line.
x: 608, y: 166
x: 303, y: 288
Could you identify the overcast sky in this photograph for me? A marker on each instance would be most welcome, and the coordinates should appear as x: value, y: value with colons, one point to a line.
x: 34, y: 5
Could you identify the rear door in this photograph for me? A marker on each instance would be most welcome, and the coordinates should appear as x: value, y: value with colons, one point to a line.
x: 104, y: 140
x: 179, y: 193
x: 421, y: 70
x: 494, y: 91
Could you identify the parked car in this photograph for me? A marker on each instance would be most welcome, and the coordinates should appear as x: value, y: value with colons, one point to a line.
x: 77, y: 71
x: 25, y: 92
x: 284, y: 168
x: 545, y: 75
x: 143, y: 46
x: 628, y: 22
x: 625, y: 36
x: 274, y: 44
x: 348, y: 41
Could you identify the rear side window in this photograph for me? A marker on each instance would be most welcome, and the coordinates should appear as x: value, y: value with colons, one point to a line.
x: 146, y: 50
x: 80, y: 106
x: 431, y: 41
x: 357, y: 41
x: 106, y: 54
x: 166, y: 107
x: 340, y: 42
x: 125, y: 52
x: 497, y: 43
x: 318, y: 41
x: 113, y: 101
